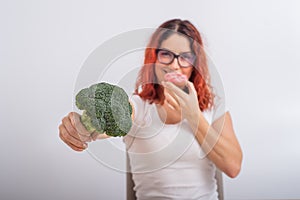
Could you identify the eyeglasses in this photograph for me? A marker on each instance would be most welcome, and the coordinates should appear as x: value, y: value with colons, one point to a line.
x: 166, y: 57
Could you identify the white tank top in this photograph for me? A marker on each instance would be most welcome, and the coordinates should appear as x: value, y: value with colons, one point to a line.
x: 166, y: 160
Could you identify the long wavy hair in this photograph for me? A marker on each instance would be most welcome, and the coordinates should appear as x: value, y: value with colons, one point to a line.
x: 146, y: 85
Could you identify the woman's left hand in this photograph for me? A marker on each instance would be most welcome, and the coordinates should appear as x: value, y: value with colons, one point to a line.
x: 221, y: 147
x: 188, y: 103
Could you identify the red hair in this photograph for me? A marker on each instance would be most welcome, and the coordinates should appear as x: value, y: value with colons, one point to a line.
x: 146, y: 85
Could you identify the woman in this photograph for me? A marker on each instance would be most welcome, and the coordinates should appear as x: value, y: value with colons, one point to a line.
x: 173, y: 146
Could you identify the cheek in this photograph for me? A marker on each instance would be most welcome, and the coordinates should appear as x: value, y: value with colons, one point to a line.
x: 187, y: 72
x: 158, y: 72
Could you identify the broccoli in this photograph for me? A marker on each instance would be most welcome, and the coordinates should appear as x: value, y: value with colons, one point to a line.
x: 106, y: 109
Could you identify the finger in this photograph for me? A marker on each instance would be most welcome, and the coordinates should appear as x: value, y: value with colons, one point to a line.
x: 191, y: 87
x: 179, y: 92
x: 76, y: 122
x: 170, y: 94
x: 172, y: 100
x: 74, y: 147
x: 94, y: 136
x: 73, y: 132
x: 69, y: 139
x: 70, y: 144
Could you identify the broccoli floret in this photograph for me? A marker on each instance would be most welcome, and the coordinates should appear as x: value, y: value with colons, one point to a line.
x: 106, y: 109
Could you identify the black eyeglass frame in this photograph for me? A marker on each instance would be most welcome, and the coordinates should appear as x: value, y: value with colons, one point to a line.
x: 176, y: 56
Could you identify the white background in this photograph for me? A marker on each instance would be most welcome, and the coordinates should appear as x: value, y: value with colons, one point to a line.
x: 43, y: 44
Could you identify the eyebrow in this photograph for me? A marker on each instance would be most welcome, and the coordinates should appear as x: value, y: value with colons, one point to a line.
x: 175, y: 52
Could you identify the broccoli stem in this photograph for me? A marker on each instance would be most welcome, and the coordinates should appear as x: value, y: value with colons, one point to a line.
x: 87, y: 122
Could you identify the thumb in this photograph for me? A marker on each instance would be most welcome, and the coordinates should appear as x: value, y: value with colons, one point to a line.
x: 191, y: 88
x: 98, y: 136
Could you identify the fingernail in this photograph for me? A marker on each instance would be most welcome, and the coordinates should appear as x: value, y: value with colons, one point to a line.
x: 85, y: 146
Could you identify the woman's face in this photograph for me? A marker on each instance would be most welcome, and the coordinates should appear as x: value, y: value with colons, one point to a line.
x: 177, y: 44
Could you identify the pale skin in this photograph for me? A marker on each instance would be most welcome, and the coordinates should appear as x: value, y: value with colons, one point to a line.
x: 218, y: 141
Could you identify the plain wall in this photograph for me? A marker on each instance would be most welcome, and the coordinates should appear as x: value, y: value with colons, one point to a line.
x: 43, y: 44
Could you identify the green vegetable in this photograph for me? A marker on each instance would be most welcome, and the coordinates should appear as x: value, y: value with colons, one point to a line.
x: 106, y: 109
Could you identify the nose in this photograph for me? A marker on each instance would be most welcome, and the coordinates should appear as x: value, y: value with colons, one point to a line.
x: 174, y: 65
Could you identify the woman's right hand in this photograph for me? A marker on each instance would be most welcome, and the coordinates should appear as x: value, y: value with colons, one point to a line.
x: 74, y: 134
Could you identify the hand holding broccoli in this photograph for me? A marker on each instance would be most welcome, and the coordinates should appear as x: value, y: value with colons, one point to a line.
x: 106, y: 112
x: 73, y: 133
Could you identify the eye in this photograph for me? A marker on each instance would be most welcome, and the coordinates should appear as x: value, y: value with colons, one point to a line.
x: 190, y: 57
x: 165, y: 54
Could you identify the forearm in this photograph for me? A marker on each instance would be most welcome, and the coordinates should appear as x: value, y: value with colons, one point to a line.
x: 224, y: 151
